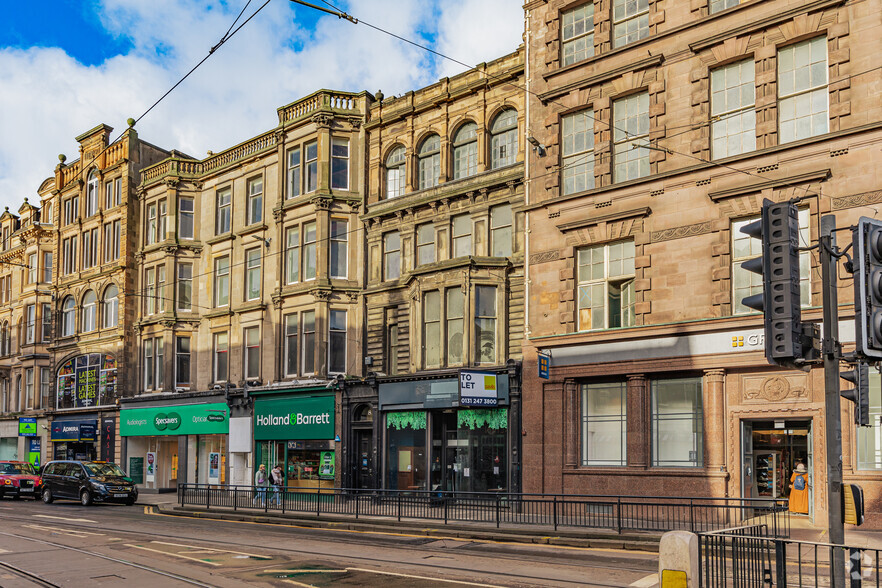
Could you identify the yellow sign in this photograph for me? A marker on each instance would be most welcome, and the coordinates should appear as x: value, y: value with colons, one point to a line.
x: 852, y: 504
x: 673, y: 579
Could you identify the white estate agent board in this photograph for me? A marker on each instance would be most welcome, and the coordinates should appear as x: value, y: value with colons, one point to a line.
x: 478, y: 389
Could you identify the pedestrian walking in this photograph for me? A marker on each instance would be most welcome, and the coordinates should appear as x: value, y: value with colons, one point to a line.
x: 277, y: 480
x: 261, y: 481
x: 799, y: 490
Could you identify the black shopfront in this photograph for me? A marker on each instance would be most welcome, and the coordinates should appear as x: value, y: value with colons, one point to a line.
x: 418, y: 434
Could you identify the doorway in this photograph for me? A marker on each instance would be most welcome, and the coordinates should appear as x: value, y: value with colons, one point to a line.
x: 364, y: 441
x: 770, y: 453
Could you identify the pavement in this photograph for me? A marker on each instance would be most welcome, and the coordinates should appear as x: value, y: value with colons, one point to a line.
x: 801, y: 528
x: 167, y: 504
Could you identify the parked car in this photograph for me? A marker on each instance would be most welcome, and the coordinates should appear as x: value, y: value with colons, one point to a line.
x: 88, y: 482
x: 17, y: 479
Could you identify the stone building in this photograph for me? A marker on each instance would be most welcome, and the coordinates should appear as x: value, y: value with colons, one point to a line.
x: 26, y: 256
x: 660, y: 128
x: 91, y: 202
x: 249, y: 272
x: 444, y: 288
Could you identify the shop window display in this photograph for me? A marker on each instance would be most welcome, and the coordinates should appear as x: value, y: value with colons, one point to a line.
x: 86, y: 381
x: 307, y: 464
x: 406, y: 450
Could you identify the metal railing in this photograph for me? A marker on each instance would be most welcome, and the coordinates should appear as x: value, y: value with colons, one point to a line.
x: 619, y: 513
x: 749, y: 557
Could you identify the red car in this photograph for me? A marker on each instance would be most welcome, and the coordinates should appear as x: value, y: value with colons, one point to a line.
x: 18, y: 478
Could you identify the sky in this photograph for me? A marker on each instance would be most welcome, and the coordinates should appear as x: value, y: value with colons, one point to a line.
x: 67, y: 66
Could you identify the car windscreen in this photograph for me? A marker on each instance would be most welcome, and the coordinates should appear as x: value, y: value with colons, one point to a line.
x: 13, y: 469
x: 104, y: 469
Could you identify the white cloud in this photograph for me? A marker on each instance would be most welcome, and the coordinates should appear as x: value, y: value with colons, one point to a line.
x: 47, y: 98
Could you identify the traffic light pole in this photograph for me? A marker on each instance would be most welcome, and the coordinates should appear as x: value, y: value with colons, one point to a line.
x: 832, y: 354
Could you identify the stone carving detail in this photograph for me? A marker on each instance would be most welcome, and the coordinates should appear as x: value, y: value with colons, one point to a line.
x: 680, y: 232
x: 322, y: 203
x: 322, y: 120
x: 545, y: 256
x: 856, y: 200
x: 321, y: 294
x: 773, y: 389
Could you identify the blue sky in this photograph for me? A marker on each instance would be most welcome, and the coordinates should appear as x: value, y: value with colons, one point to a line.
x: 67, y: 66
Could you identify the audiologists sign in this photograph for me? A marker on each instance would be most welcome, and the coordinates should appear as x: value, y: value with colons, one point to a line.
x: 294, y: 418
x: 187, y: 419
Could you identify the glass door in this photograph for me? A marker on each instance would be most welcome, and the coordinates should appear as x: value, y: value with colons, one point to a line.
x: 748, y: 479
x: 810, y: 464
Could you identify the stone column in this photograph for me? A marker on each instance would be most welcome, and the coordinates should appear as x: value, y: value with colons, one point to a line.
x: 715, y: 420
x: 638, y: 425
x: 572, y: 420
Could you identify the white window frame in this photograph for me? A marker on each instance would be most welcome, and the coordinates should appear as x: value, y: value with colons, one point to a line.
x: 490, y: 319
x: 733, y: 116
x: 793, y: 100
x: 629, y: 26
x: 223, y: 221
x: 425, y: 238
x: 504, y: 139
x: 309, y: 250
x: 251, y: 340
x: 391, y: 255
x: 396, y: 172
x: 110, y: 308
x: 465, y: 151
x: 307, y: 343
x: 222, y: 281
x: 577, y: 151
x: 695, y: 456
x: 577, y: 34
x: 179, y: 384
x: 185, y: 287
x: 217, y: 352
x: 31, y: 323
x: 339, y: 163
x: 339, y: 250
x: 294, y: 173
x: 292, y: 338
x: 187, y: 218
x: 336, y: 336
x: 255, y: 201
x: 630, y: 131
x: 310, y: 167
x: 90, y: 312
x: 597, y: 447
x: 253, y: 270
x: 429, y: 162
x: 501, y: 231
x: 292, y: 255
x: 461, y: 229
x: 615, y: 259
x: 721, y: 5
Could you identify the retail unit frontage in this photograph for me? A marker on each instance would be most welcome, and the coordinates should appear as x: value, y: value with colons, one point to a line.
x: 168, y: 442
x: 689, y: 415
x: 298, y: 431
x: 457, y: 431
x: 24, y: 439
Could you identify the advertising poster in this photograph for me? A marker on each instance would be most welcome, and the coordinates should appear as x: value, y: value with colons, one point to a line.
x: 27, y: 426
x: 214, y: 468
x: 34, y: 452
x: 108, y: 439
x: 326, y: 465
x: 87, y: 387
x: 151, y: 466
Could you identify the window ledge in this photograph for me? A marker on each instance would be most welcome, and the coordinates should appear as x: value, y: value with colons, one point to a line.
x: 220, y: 238
x: 250, y: 306
x: 253, y: 228
x: 219, y: 312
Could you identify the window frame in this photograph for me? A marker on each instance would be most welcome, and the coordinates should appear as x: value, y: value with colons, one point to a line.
x: 623, y: 139
x: 222, y: 281
x: 423, y: 246
x: 254, y: 209
x: 429, y: 162
x: 620, y: 419
x: 458, y: 239
x: 498, y: 231
x: 431, y: 329
x: 221, y: 353
x: 726, y: 115
x: 187, y: 218
x: 292, y: 339
x: 251, y: 348
x: 465, y: 150
x: 310, y: 251
x: 396, y: 172
x: 294, y: 173
x: 504, y: 139
x: 822, y: 89
x: 292, y: 255
x: 253, y: 272
x: 624, y: 280
x: 391, y: 256
x: 340, y: 163
x: 89, y: 321
x: 179, y: 354
x: 625, y: 19
x: 68, y: 317
x: 110, y: 308
x: 696, y: 417
x: 486, y: 318
x: 223, y: 220
x: 185, y: 287
x: 307, y: 343
x: 310, y: 167
x: 336, y: 340
x: 573, y: 39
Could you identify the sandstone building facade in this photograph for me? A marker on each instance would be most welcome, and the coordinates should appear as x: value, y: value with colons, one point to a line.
x: 663, y: 126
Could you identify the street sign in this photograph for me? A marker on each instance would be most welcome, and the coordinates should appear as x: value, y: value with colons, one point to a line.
x: 544, y: 364
x: 27, y: 427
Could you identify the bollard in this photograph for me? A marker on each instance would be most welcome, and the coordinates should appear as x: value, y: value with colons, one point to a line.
x: 678, y: 560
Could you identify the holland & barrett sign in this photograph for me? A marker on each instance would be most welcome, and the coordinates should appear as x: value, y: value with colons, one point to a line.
x: 188, y: 419
x: 294, y: 418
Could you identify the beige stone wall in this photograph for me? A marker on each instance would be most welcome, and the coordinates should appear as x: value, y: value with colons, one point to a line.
x: 478, y: 96
x: 319, y: 117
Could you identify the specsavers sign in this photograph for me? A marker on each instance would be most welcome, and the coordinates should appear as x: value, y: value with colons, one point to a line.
x: 187, y: 419
x: 294, y: 418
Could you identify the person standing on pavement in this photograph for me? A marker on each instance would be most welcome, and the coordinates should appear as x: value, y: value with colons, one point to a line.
x: 261, y: 481
x: 799, y: 490
x: 277, y: 480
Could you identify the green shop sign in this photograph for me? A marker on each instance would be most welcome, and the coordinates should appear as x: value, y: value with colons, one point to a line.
x: 294, y: 418
x: 187, y: 419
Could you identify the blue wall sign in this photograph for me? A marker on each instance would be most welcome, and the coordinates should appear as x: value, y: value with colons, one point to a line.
x: 544, y: 364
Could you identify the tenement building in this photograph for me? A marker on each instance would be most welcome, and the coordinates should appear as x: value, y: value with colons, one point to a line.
x: 660, y: 128
x: 440, y: 406
x: 249, y: 267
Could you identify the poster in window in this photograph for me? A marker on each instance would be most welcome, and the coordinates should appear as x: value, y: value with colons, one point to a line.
x: 151, y: 466
x: 87, y: 387
x: 214, y: 468
x: 326, y: 465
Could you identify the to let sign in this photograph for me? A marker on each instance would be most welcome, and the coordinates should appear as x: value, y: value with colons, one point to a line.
x: 478, y: 389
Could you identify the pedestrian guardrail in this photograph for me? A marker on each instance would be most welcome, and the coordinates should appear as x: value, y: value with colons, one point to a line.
x: 619, y: 513
x: 750, y: 557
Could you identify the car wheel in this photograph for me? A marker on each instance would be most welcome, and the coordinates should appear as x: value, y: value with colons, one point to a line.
x: 86, y: 498
x: 47, y: 496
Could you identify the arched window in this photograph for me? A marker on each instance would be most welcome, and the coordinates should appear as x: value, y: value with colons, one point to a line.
x: 465, y: 151
x: 430, y: 162
x: 395, y: 170
x: 504, y: 139
x: 92, y: 194
x: 90, y: 303
x: 110, y: 312
x: 4, y: 338
x: 68, y: 321
x: 364, y: 413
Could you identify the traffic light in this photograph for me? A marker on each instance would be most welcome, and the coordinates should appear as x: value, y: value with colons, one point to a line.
x: 778, y: 228
x: 860, y: 394
x: 867, y: 266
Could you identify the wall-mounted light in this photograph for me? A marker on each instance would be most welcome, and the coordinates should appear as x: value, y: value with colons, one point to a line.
x: 537, y: 146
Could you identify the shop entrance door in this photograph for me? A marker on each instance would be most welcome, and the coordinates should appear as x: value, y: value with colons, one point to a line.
x: 364, y: 440
x: 770, y: 453
x: 448, y: 459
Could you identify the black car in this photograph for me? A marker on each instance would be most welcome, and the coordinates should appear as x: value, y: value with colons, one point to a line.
x: 88, y: 482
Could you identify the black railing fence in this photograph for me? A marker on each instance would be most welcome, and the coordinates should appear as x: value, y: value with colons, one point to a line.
x: 619, y: 513
x: 750, y: 557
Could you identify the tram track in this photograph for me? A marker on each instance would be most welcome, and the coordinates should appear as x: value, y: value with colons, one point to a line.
x: 34, y: 579
x: 376, y: 540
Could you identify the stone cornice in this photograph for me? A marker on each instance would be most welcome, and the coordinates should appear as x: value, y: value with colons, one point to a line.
x: 815, y: 176
x: 605, y: 218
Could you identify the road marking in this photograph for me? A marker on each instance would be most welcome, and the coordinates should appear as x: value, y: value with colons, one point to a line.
x: 415, y: 536
x: 4, y: 551
x: 287, y: 581
x: 414, y: 577
x: 310, y: 571
x: 214, y: 550
x: 65, y: 519
x: 196, y: 559
x: 73, y: 532
x: 647, y: 582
